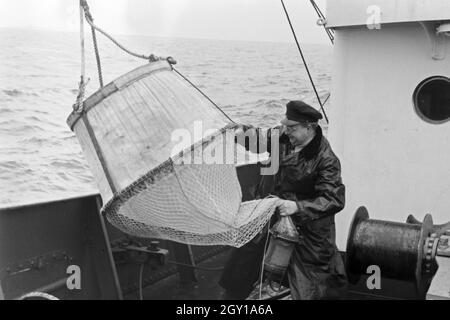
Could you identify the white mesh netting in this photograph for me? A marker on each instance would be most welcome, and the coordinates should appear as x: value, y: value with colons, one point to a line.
x: 197, y: 204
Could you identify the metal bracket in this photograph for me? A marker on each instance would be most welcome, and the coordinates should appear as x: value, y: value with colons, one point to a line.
x: 437, y: 41
x: 35, y: 263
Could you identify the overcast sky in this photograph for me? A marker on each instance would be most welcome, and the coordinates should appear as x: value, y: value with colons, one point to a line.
x: 259, y: 20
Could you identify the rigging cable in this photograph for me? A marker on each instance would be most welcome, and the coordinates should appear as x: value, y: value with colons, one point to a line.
x: 90, y: 20
x: 304, y: 61
x: 83, y: 53
x: 151, y: 57
x: 322, y: 21
x: 327, y: 98
x: 78, y: 106
x: 97, y: 58
x: 141, y: 275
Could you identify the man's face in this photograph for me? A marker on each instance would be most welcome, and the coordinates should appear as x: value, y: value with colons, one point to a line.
x: 298, y: 133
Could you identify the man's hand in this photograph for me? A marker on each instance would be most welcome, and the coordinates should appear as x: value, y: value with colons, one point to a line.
x: 287, y: 207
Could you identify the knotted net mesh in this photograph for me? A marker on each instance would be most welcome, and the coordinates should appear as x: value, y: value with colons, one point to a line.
x: 193, y: 202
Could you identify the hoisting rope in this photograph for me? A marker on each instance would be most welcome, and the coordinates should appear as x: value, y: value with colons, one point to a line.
x: 322, y: 21
x: 152, y: 58
x: 37, y: 295
x: 201, y: 92
x: 79, y: 104
x: 304, y: 61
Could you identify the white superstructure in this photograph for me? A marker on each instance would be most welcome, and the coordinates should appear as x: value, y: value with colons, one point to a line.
x: 394, y: 145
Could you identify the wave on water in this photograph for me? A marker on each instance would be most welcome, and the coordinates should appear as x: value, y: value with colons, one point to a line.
x: 40, y: 157
x: 18, y: 93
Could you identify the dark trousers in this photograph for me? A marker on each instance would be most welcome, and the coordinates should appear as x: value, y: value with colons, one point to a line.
x: 243, y: 269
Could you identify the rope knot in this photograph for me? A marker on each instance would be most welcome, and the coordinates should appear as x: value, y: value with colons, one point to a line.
x: 79, y: 104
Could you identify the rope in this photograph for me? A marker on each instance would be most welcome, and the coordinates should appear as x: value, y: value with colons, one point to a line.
x: 263, y: 261
x: 85, y: 7
x: 79, y: 104
x: 97, y: 58
x: 326, y: 99
x: 322, y: 21
x: 90, y: 21
x: 202, y: 212
x: 93, y: 26
x: 195, y: 267
x: 83, y: 54
x: 202, y: 93
x: 304, y: 61
x: 141, y: 274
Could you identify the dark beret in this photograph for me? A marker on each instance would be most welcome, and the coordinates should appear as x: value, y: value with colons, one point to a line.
x: 300, y: 111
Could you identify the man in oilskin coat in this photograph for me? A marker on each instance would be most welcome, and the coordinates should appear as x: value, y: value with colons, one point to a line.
x: 309, y: 185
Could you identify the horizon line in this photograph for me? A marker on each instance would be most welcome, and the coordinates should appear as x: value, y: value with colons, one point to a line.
x: 165, y: 37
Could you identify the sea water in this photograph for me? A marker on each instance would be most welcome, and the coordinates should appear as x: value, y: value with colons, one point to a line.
x: 40, y: 158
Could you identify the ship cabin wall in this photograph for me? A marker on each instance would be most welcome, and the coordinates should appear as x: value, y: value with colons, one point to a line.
x: 344, y: 13
x: 394, y: 162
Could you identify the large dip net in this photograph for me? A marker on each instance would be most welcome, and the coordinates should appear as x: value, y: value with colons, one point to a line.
x: 164, y: 159
x: 190, y: 203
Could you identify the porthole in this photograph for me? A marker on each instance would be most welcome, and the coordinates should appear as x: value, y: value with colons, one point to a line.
x: 432, y: 99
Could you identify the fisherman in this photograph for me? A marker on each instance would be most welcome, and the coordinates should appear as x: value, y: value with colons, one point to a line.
x: 311, y: 192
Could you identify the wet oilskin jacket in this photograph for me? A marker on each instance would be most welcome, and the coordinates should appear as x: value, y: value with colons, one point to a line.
x: 311, y: 178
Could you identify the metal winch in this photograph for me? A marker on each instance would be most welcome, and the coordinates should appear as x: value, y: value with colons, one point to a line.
x: 402, y: 251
